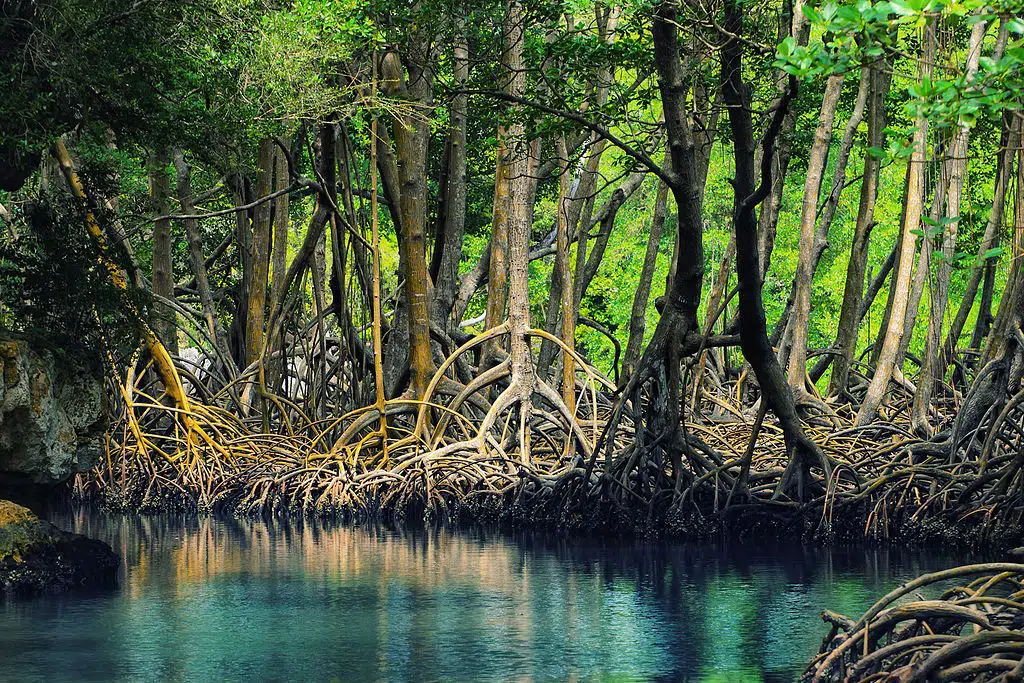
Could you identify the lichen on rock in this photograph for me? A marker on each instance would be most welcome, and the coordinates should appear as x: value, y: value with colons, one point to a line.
x: 37, y: 557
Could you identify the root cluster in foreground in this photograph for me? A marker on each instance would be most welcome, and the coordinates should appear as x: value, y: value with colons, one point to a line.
x: 962, y: 624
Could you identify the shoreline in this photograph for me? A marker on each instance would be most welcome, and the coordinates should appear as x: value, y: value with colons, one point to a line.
x: 693, y: 527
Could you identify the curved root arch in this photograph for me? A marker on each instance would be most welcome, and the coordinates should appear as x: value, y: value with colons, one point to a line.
x: 970, y: 632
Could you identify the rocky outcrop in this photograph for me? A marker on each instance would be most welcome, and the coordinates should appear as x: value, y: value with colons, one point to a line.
x: 51, y: 415
x: 37, y: 558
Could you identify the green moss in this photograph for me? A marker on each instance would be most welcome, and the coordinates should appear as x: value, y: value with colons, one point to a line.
x: 20, y: 532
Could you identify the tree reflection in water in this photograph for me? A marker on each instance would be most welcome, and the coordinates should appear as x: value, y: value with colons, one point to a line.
x: 205, y: 599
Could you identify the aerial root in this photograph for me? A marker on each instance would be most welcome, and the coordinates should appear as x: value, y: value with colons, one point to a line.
x: 496, y: 443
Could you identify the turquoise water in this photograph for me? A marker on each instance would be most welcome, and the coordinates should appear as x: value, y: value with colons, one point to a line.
x: 222, y: 599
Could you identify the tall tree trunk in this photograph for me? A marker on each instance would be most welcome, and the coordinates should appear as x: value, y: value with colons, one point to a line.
x: 448, y: 253
x: 477, y: 275
x: 568, y: 331
x: 924, y: 263
x: 957, y: 168
x: 520, y: 167
x: 260, y: 255
x: 883, y: 327
x: 1010, y: 140
x: 827, y: 212
x: 757, y: 349
x: 279, y: 250
x: 660, y: 359
x: 411, y: 135
x: 1007, y: 328
x: 198, y: 261
x: 335, y: 174
x: 902, y: 278
x: 831, y: 203
x: 162, y: 316
x: 849, y: 321
x: 243, y: 249
x: 638, y: 314
x: 800, y: 318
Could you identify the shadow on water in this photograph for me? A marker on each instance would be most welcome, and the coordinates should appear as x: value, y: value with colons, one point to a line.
x: 209, y: 599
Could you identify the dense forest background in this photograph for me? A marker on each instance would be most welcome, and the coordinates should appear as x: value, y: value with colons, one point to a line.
x: 628, y: 217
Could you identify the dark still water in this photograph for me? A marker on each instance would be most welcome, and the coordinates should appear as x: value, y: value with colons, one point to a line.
x: 221, y: 599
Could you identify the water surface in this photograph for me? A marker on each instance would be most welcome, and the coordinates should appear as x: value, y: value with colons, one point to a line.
x: 223, y: 599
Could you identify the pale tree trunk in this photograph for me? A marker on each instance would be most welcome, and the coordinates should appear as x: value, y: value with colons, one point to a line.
x: 800, y: 318
x: 519, y: 165
x: 831, y: 202
x: 1006, y: 329
x: 957, y: 164
x: 278, y: 259
x: 849, y: 320
x: 902, y: 277
x: 162, y: 316
x: 198, y: 260
x: 924, y: 264
x: 826, y: 214
x: 883, y: 327
x: 1004, y: 171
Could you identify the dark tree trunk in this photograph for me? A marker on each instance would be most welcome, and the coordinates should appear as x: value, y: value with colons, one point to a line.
x: 757, y: 348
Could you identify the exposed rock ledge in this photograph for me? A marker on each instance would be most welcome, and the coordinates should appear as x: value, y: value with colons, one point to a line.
x: 51, y: 416
x: 38, y: 558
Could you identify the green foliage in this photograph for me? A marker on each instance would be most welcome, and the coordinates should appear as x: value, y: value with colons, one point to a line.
x: 50, y: 281
x: 214, y: 77
x: 863, y: 31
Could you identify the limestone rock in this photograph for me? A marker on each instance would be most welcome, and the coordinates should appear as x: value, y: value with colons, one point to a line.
x: 51, y: 411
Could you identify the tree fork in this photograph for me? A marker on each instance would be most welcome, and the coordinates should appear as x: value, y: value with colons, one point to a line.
x: 802, y: 453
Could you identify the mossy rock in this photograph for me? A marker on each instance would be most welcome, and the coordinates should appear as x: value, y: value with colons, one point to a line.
x: 37, y: 557
x: 21, y: 532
